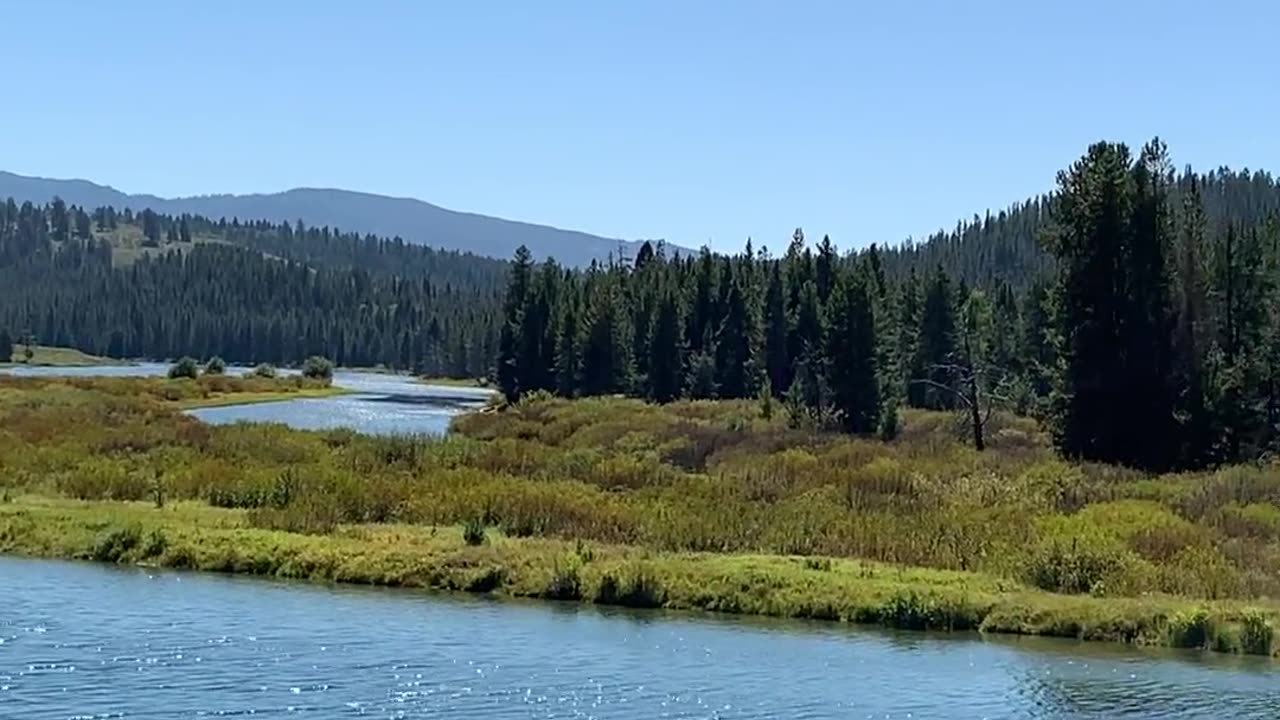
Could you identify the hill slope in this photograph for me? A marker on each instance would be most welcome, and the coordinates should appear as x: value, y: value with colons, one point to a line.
x: 414, y: 220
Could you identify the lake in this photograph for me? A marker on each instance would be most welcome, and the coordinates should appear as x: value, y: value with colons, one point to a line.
x: 88, y: 641
x: 380, y: 404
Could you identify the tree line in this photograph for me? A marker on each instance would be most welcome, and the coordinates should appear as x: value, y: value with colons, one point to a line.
x: 247, y: 292
x: 1144, y: 329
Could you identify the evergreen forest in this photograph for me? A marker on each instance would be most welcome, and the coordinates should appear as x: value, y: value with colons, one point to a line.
x: 1135, y: 310
x: 129, y: 285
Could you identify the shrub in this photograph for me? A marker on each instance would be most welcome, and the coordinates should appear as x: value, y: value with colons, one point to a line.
x: 566, y: 582
x: 765, y: 397
x: 216, y: 366
x: 1075, y: 569
x: 1255, y: 634
x: 888, y: 429
x: 820, y: 564
x: 317, y: 368
x: 265, y: 370
x: 639, y: 590
x: 113, y: 544
x: 1190, y: 630
x: 915, y: 611
x: 155, y: 544
x: 184, y: 368
x: 473, y: 532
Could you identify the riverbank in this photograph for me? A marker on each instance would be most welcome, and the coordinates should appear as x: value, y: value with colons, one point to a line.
x: 258, y: 397
x: 697, y: 505
x: 45, y: 356
x: 195, y: 536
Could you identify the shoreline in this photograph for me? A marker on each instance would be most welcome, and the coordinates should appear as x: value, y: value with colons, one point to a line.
x: 259, y: 398
x: 195, y: 536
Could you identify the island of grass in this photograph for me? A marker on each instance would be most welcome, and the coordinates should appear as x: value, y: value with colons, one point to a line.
x: 453, y: 382
x: 182, y: 393
x: 44, y: 356
x: 691, y: 505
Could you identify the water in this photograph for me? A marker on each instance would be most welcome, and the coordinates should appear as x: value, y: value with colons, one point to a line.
x: 380, y: 405
x: 87, y: 641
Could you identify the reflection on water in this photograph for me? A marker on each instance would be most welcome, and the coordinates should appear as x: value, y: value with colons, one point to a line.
x: 380, y: 404
x: 88, y: 641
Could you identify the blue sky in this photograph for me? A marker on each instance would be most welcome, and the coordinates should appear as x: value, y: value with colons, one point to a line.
x: 693, y: 120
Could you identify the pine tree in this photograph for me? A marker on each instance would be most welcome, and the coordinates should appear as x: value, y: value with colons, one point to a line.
x: 933, y: 373
x: 6, y: 346
x: 84, y: 226
x: 666, y: 371
x: 852, y: 372
x: 1191, y: 342
x: 1115, y: 394
x: 907, y: 338
x: 1147, y: 317
x: 824, y: 270
x: 703, y: 317
x: 60, y: 224
x: 1239, y: 297
x: 1036, y: 346
x: 606, y: 356
x: 777, y: 361
x: 808, y: 333
x: 510, y: 339
x: 736, y: 343
x: 568, y: 364
x: 1092, y: 214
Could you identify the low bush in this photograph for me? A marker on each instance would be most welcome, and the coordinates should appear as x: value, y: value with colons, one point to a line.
x: 317, y: 368
x: 113, y: 544
x: 473, y: 532
x: 185, y: 368
x: 215, y: 366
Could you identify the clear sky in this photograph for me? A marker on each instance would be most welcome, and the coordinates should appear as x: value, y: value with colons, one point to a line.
x: 693, y: 120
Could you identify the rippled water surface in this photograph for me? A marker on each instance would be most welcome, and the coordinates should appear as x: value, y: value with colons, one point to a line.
x: 87, y: 641
x: 379, y: 404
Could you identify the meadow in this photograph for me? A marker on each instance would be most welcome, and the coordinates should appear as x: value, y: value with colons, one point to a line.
x: 46, y: 356
x: 695, y: 505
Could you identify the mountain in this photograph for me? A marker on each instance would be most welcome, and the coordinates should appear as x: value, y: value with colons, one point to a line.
x: 414, y: 220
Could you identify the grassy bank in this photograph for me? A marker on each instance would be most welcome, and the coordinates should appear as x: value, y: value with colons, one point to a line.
x: 44, y: 356
x: 195, y: 536
x: 257, y: 397
x: 713, y: 505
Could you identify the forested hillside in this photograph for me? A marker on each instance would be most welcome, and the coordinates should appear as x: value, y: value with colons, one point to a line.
x: 416, y: 221
x: 1136, y: 311
x: 1007, y: 246
x: 147, y: 285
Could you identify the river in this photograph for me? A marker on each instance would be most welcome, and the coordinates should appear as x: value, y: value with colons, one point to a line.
x: 380, y: 404
x: 87, y: 641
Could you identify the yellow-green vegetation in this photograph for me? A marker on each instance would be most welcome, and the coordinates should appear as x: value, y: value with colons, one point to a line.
x: 702, y: 505
x: 178, y: 394
x: 288, y: 391
x: 45, y: 356
x: 196, y: 536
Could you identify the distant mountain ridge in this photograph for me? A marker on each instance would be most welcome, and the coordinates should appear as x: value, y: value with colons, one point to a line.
x: 413, y: 220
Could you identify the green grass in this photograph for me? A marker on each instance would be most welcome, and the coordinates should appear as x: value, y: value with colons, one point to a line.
x: 45, y: 356
x: 191, y: 535
x: 696, y: 505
